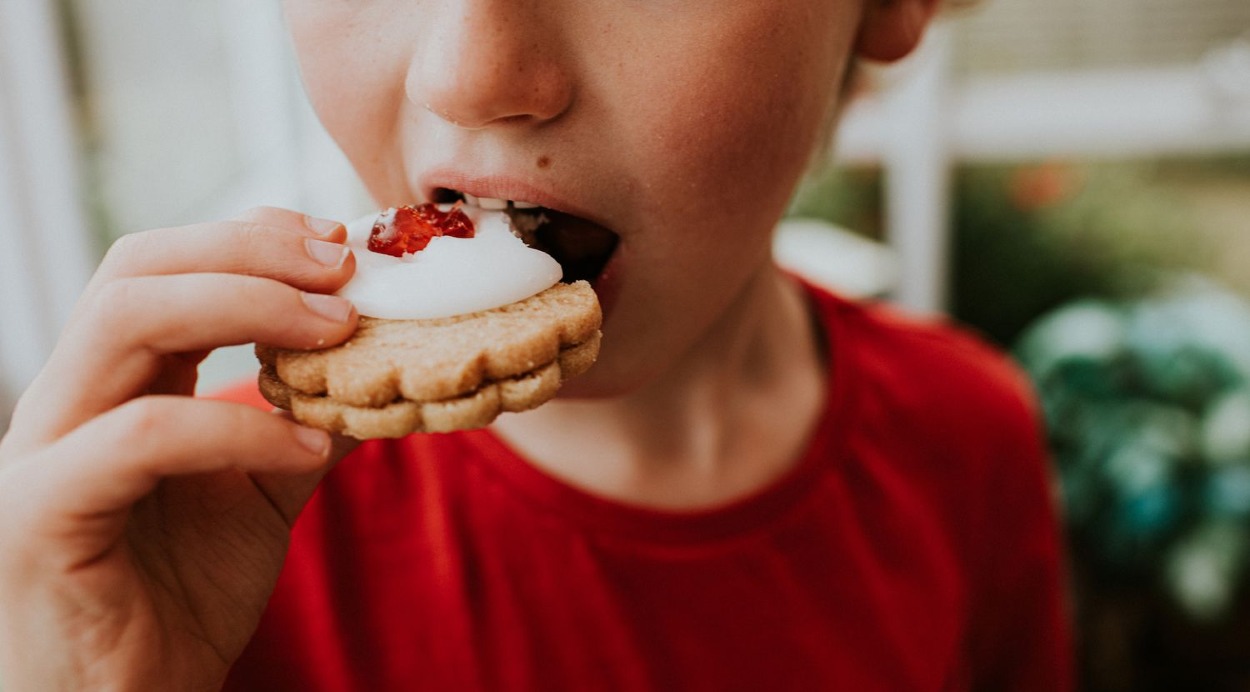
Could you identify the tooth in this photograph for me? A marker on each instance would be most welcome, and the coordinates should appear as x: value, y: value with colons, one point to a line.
x: 524, y: 205
x: 470, y: 200
x: 492, y: 204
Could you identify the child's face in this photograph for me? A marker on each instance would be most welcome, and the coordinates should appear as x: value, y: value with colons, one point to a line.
x: 679, y: 125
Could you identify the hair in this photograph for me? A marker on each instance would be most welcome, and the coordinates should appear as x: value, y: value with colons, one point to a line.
x: 851, y: 81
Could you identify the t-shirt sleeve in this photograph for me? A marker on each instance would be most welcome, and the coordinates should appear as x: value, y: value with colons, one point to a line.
x: 1020, y: 634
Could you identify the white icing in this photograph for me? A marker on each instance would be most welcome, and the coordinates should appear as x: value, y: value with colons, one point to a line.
x: 451, y: 276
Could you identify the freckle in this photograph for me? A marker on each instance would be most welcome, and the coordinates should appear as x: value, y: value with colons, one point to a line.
x: 543, y: 161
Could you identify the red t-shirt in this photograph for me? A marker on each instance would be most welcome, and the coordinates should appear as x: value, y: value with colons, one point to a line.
x: 913, y: 547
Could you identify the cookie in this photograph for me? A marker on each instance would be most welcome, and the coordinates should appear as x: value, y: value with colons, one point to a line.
x: 395, y: 377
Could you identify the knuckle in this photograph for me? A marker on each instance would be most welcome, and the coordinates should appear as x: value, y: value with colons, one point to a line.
x: 109, y: 297
x: 279, y: 254
x: 268, y: 215
x: 20, y: 517
x: 264, y: 243
x: 126, y: 248
x: 252, y: 238
x: 18, y: 439
x: 106, y: 302
x: 270, y: 253
x: 258, y: 212
x: 142, y: 418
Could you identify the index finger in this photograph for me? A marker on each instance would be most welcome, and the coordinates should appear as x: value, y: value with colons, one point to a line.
x: 129, y: 334
x: 276, y: 243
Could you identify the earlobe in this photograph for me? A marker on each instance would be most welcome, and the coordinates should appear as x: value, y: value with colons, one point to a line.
x: 891, y: 29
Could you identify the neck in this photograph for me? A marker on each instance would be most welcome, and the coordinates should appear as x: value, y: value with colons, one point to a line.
x: 731, y: 415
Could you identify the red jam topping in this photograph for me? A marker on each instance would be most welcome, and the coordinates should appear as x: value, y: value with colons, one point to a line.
x: 410, y: 229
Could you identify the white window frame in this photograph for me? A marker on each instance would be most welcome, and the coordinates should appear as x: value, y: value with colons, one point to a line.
x: 926, y: 122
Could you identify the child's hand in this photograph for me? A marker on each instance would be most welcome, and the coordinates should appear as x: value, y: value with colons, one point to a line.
x: 142, y: 530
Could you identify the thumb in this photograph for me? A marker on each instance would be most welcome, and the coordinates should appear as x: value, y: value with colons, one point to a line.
x: 288, y: 492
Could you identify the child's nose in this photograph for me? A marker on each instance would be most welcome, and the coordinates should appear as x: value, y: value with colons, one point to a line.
x: 488, y: 63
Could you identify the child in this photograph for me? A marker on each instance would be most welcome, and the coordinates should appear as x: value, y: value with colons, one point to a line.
x: 758, y: 486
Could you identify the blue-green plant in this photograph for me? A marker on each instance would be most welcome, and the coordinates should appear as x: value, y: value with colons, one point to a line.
x: 1147, y: 404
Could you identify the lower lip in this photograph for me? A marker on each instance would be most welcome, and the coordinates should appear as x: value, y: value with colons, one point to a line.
x: 607, y: 284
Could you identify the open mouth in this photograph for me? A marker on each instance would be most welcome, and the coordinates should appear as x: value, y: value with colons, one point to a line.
x: 583, y: 248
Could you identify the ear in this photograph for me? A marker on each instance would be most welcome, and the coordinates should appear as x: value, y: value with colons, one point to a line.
x: 890, y: 29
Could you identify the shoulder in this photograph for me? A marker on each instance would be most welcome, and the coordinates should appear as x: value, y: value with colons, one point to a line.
x: 927, y: 371
x: 941, y: 410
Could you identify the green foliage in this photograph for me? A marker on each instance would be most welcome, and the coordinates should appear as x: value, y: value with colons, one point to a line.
x: 1029, y: 238
x: 847, y: 197
x: 1148, y: 409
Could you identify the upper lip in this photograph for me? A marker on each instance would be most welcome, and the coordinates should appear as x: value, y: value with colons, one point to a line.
x: 499, y: 186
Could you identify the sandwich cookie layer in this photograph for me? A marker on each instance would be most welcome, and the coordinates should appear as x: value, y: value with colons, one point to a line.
x: 393, y: 377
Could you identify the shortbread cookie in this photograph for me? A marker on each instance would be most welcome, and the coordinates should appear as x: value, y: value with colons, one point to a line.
x: 460, y: 321
x: 395, y: 377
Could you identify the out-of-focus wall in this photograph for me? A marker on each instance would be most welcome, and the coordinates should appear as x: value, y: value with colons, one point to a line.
x: 193, y: 110
x: 44, y: 262
x: 1011, y: 35
x: 157, y: 107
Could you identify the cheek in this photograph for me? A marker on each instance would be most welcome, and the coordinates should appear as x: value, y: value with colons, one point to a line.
x: 355, y: 93
x: 736, y: 118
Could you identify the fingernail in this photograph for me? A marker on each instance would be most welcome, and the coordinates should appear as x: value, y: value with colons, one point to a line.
x: 320, y: 226
x: 315, y: 441
x: 328, y: 254
x: 332, y: 308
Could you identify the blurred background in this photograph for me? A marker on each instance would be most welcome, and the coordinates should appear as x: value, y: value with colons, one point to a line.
x: 1071, y: 178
